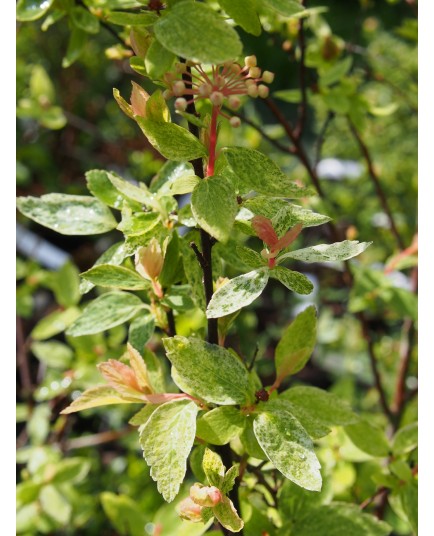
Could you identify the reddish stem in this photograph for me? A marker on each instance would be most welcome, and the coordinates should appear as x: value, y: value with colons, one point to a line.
x: 212, y: 141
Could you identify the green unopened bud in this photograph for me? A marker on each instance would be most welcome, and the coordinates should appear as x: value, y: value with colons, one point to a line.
x: 205, y: 495
x: 217, y: 98
x: 263, y: 91
x: 235, y: 122
x: 250, y: 61
x: 268, y: 77
x: 181, y: 104
x: 252, y: 91
x: 255, y: 72
x: 235, y: 68
x: 178, y: 88
x: 190, y: 511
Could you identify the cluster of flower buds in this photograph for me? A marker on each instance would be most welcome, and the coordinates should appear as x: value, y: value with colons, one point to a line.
x: 224, y: 84
x: 200, y: 497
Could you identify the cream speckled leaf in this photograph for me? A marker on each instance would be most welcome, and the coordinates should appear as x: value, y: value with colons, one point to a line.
x: 108, y: 275
x: 114, y: 255
x: 214, y: 205
x: 172, y: 141
x: 206, y: 38
x: 220, y: 425
x: 227, y: 515
x: 250, y: 257
x: 101, y: 395
x: 294, y: 281
x: 237, y: 293
x: 141, y: 195
x: 213, y: 468
x: 288, y: 446
x: 208, y: 371
x: 255, y: 171
x: 339, y: 251
x: 68, y: 214
x: 107, y: 311
x: 166, y: 440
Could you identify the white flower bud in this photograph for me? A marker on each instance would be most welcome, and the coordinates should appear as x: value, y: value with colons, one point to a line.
x: 255, y: 72
x: 252, y: 91
x: 267, y: 77
x: 250, y: 61
x: 205, y: 90
x: 234, y: 102
x: 263, y: 91
x: 217, y: 98
x: 181, y: 104
x: 178, y: 88
x: 235, y: 122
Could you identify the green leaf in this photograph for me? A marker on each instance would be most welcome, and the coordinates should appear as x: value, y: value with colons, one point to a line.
x: 125, y: 514
x: 167, y: 439
x: 143, y: 415
x: 28, y: 10
x: 294, y: 281
x: 223, y: 379
x: 213, y: 467
x: 174, y: 178
x: 135, y: 193
x: 339, y: 251
x: 158, y: 60
x: 243, y: 14
x: 227, y: 515
x: 369, y: 438
x: 107, y: 311
x: 172, y: 266
x: 55, y: 354
x: 250, y: 443
x: 317, y: 410
x: 55, y: 504
x: 207, y: 38
x: 115, y: 255
x: 229, y: 478
x: 76, y: 44
x: 296, y: 345
x: 287, y: 445
x: 54, y: 323
x: 214, y: 205
x: 73, y: 470
x: 84, y: 19
x: 123, y: 18
x: 406, y: 439
x: 178, y: 298
x: 288, y: 95
x: 140, y: 331
x: 255, y: 171
x: 338, y: 519
x: 193, y: 273
x: 409, y: 501
x: 237, y: 293
x: 68, y: 214
x: 101, y: 395
x: 172, y: 141
x: 250, y: 257
x: 286, y: 8
x: 337, y: 72
x: 108, y: 275
x: 295, y: 502
x: 66, y: 285
x: 138, y: 224
x: 220, y: 425
x: 99, y: 184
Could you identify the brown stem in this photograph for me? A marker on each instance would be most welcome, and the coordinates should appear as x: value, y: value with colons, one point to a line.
x: 302, y: 108
x: 376, y: 181
x: 23, y: 360
x: 171, y: 323
x: 97, y: 439
x: 370, y: 500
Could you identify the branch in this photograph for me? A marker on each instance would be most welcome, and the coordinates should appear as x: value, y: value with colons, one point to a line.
x: 97, y: 439
x: 379, y: 190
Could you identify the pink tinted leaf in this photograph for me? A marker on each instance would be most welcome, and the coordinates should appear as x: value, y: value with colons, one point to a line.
x: 264, y: 229
x: 288, y: 238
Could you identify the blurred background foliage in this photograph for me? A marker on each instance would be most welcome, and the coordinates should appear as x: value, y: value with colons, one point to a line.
x: 85, y: 474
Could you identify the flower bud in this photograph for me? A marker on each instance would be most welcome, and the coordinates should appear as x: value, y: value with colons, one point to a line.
x: 255, y: 72
x: 205, y: 90
x: 263, y: 91
x: 217, y: 98
x: 189, y: 510
x: 234, y: 102
x: 181, y: 104
x: 149, y: 260
x: 252, y: 90
x: 178, y: 88
x: 268, y: 77
x: 235, y: 68
x: 205, y: 495
x: 235, y: 122
x: 220, y: 81
x: 250, y: 61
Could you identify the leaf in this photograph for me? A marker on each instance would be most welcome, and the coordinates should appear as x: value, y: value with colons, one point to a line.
x: 143, y: 415
x: 406, y: 439
x: 317, y: 409
x: 208, y: 371
x: 287, y: 445
x: 214, y: 205
x: 337, y: 72
x: 99, y: 184
x: 338, y: 519
x: 68, y: 214
x: 172, y: 266
x: 84, y: 20
x: 115, y: 255
x: 172, y: 141
x: 339, y: 251
x: 66, y: 285
x: 135, y: 193
x: 213, y: 467
x: 369, y: 438
x: 292, y: 280
x: 166, y: 440
x: 227, y: 515
x: 286, y: 8
x: 107, y: 311
x: 244, y: 15
x: 193, y: 273
x: 237, y: 293
x: 124, y: 513
x: 140, y: 331
x: 101, y: 395
x: 229, y: 478
x: 409, y: 500
x: 173, y: 175
x: 77, y: 41
x: 28, y: 10
x: 123, y: 18
x: 296, y: 345
x: 220, y: 425
x: 108, y: 275
x: 158, y: 60
x: 55, y: 354
x: 207, y: 38
x: 250, y: 257
x: 54, y: 323
x: 55, y: 504
x: 255, y: 171
x: 288, y: 95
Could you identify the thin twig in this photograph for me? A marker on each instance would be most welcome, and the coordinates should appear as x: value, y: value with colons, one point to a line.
x: 171, y: 323
x: 97, y: 439
x: 302, y: 108
x: 23, y: 360
x: 376, y: 181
